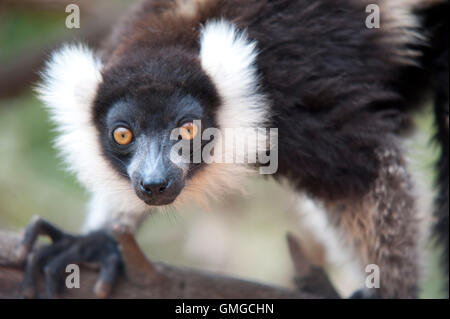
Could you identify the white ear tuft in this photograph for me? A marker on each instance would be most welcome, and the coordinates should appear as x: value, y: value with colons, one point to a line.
x: 229, y: 58
x: 70, y: 82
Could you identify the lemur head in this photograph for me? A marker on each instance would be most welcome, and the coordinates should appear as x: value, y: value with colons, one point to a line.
x: 118, y: 123
x: 143, y: 109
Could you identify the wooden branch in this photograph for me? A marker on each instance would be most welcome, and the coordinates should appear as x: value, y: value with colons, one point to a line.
x: 145, y: 279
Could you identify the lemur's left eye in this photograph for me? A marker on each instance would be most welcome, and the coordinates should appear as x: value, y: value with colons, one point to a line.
x: 188, y: 131
x: 122, y: 136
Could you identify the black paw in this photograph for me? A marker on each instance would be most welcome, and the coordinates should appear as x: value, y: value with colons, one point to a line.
x: 98, y: 248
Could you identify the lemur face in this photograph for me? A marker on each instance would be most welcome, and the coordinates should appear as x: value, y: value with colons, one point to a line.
x: 143, y: 115
x: 115, y: 118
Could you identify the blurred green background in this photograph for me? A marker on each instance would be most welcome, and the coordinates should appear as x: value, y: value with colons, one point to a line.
x: 241, y: 236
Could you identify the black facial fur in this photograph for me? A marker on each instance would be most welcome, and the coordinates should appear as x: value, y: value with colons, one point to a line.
x: 152, y: 100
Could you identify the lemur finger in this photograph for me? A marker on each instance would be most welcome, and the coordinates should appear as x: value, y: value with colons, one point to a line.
x: 55, y: 269
x: 38, y: 227
x: 109, y: 273
x: 34, y: 264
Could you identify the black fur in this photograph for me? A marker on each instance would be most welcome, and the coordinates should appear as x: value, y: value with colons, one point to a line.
x: 151, y: 98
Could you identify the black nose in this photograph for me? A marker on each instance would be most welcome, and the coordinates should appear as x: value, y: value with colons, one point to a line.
x: 154, y: 187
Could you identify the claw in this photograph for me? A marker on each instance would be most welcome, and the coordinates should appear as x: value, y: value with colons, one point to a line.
x: 21, y: 252
x: 102, y: 289
x: 29, y: 293
x: 97, y: 248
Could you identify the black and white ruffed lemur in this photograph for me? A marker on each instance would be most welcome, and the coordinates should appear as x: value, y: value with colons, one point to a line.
x: 340, y: 94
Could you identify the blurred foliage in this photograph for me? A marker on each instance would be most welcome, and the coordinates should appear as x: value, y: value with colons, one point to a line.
x: 21, y: 29
x: 240, y: 236
x: 29, y: 176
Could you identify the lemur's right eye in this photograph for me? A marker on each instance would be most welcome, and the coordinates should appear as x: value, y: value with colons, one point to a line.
x: 188, y: 131
x: 123, y: 136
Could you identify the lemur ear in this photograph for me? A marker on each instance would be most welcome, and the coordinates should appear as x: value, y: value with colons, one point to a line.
x: 229, y: 58
x: 69, y: 84
x: 70, y: 81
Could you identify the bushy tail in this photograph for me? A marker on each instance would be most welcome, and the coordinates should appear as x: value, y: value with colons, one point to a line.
x: 437, y: 23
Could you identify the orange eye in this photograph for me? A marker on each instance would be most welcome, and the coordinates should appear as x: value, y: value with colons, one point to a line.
x: 189, y: 131
x: 122, y: 136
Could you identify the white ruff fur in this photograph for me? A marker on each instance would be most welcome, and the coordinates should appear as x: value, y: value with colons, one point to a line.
x: 70, y: 82
x: 229, y: 58
x: 340, y: 260
x: 402, y: 26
